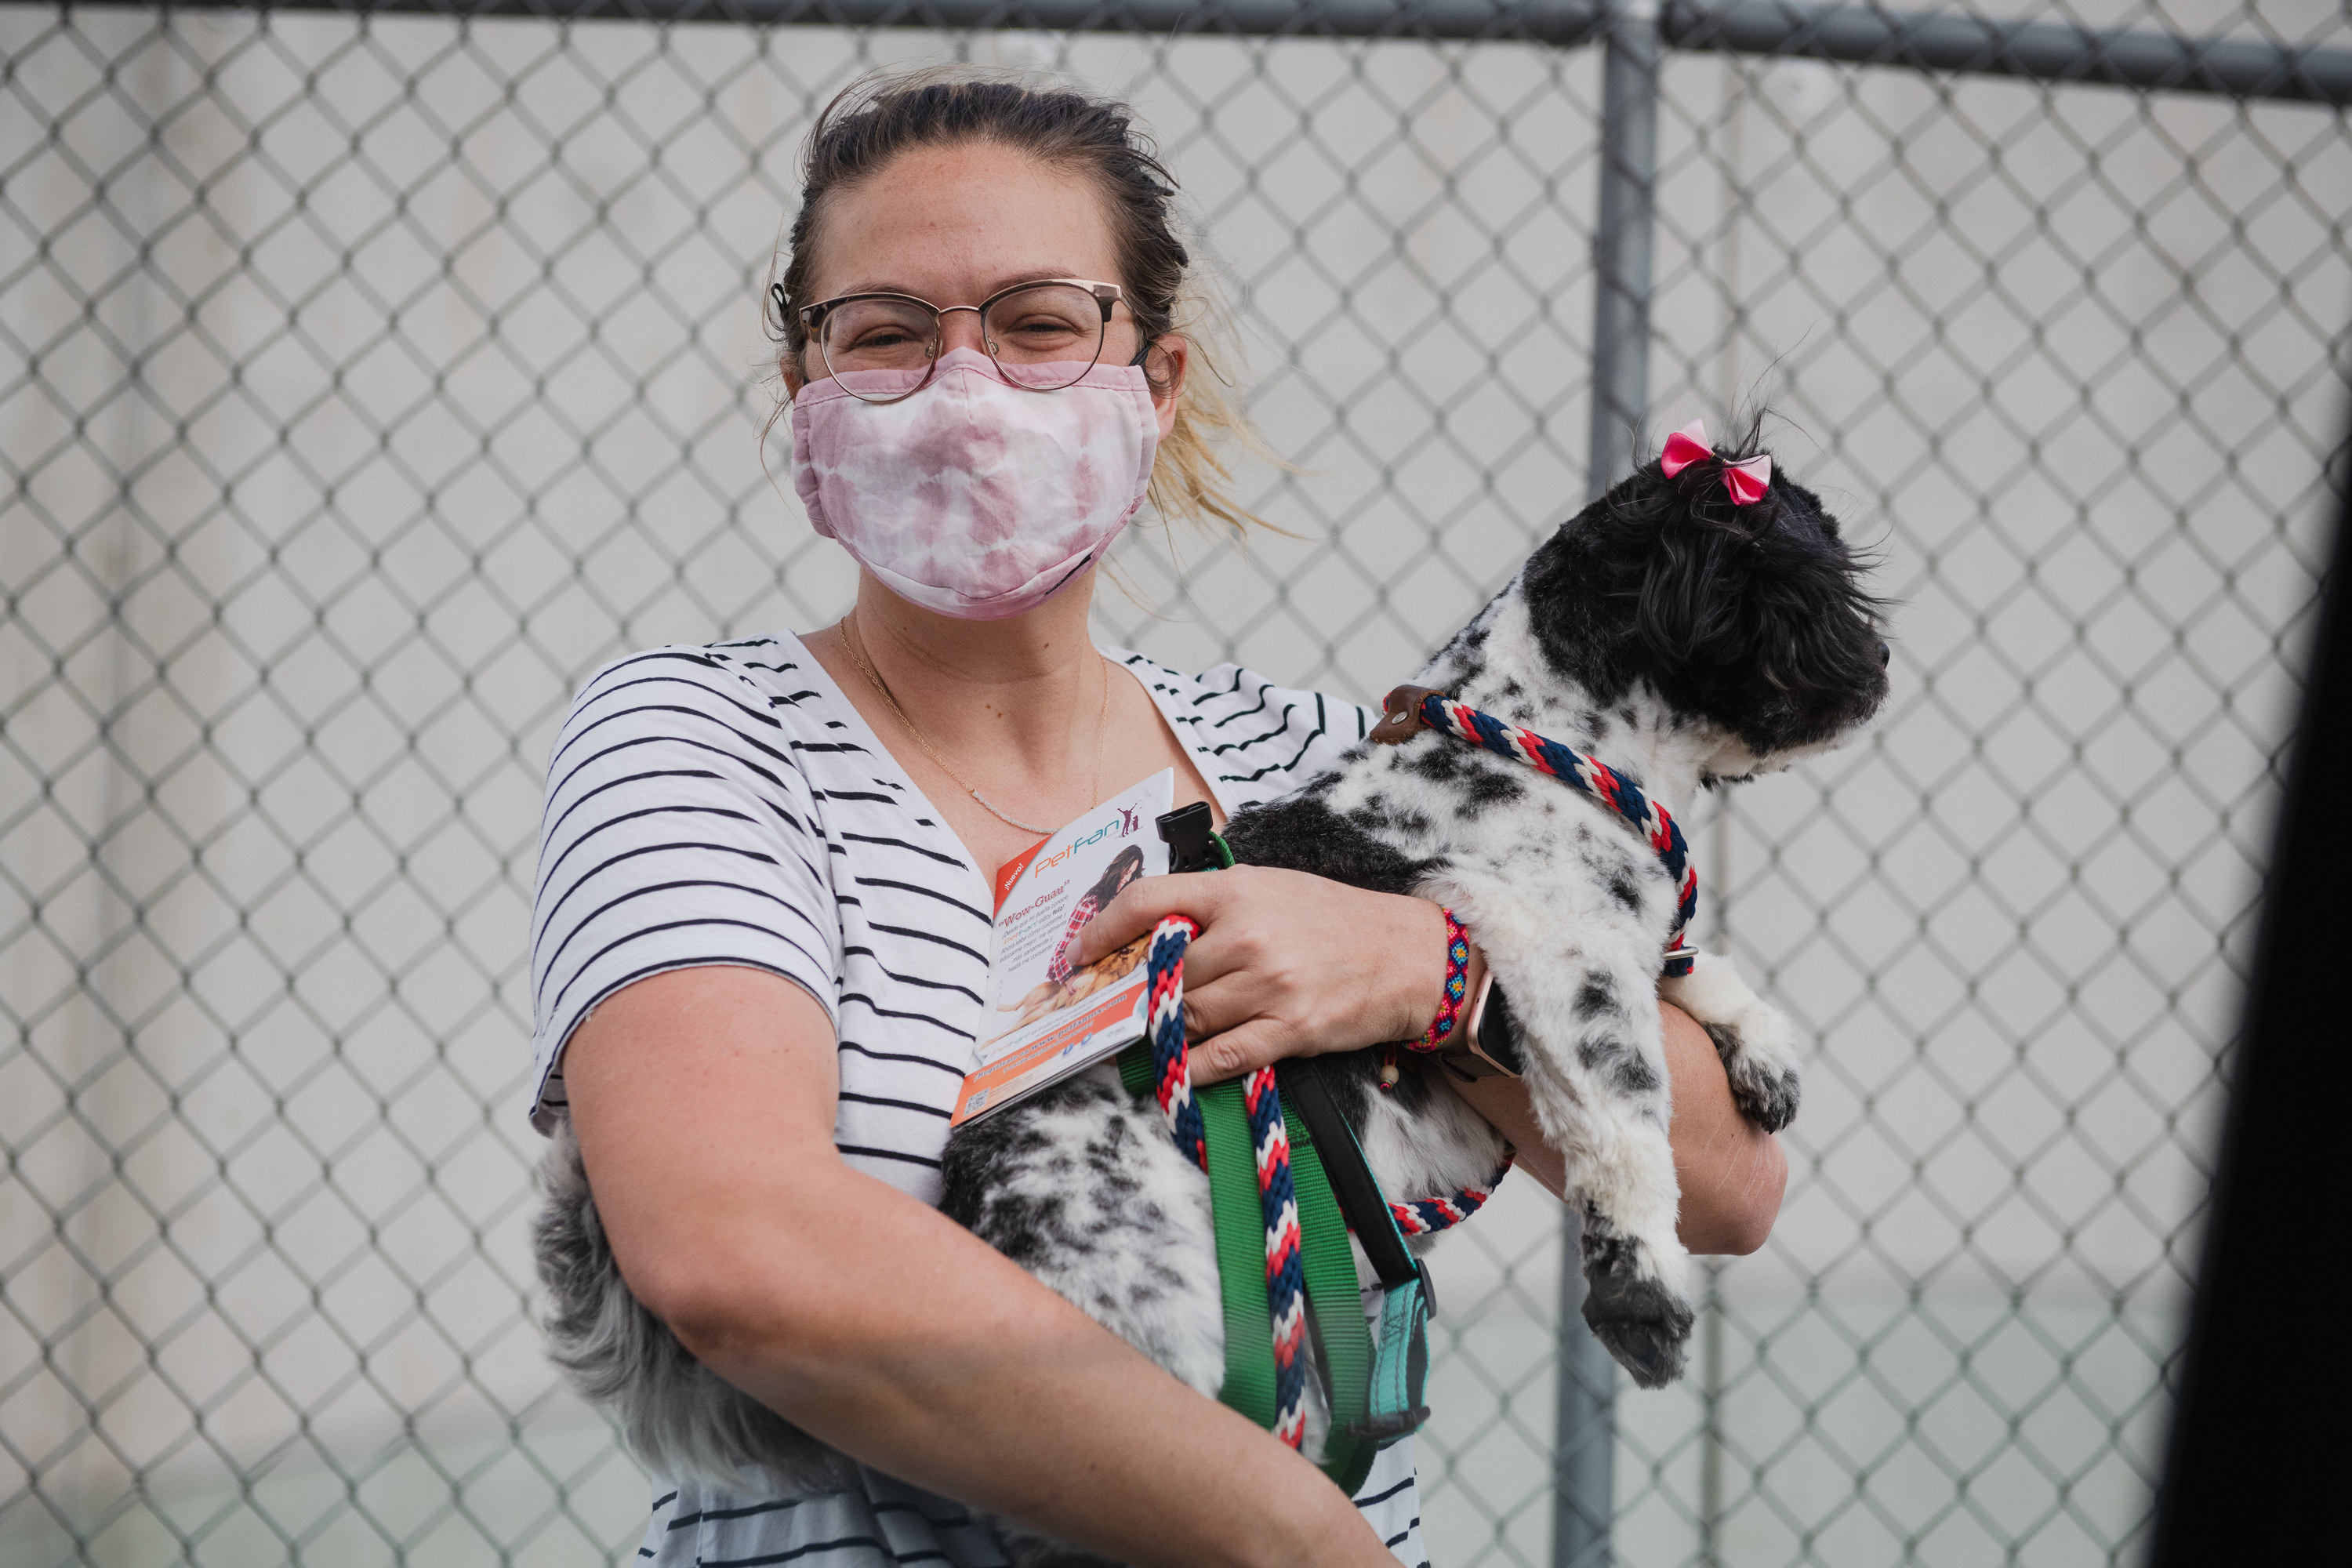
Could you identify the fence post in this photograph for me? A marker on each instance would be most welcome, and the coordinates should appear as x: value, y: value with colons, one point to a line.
x: 1622, y: 238
x: 1585, y: 1435
x: 1585, y: 1440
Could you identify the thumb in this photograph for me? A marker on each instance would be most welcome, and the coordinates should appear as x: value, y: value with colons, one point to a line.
x: 1142, y: 906
x: 1261, y: 1042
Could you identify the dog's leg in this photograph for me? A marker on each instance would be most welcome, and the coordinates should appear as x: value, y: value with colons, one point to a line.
x: 1583, y: 988
x: 1754, y: 1038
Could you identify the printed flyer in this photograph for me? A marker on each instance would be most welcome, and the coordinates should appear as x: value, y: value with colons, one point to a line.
x: 1048, y: 1018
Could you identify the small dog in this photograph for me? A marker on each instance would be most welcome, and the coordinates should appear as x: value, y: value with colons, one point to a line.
x: 1683, y: 636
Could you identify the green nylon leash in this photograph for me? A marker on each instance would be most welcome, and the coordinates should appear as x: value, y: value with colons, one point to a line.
x: 1240, y: 1252
x: 1400, y: 1365
x: 1333, y: 1298
x: 1342, y: 1343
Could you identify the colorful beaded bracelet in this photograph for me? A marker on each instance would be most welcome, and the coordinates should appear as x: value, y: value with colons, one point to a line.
x: 1457, y: 986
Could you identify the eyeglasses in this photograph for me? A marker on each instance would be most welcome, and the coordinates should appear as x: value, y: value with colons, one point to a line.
x: 1045, y: 335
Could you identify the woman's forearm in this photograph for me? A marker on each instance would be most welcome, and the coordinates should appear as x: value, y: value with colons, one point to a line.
x: 703, y: 1104
x: 894, y: 1335
x: 1732, y: 1172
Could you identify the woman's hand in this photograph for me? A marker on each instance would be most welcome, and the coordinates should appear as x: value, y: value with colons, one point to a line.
x: 1286, y: 965
x: 1291, y: 964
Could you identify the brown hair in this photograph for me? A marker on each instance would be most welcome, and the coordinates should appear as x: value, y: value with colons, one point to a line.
x: 874, y: 120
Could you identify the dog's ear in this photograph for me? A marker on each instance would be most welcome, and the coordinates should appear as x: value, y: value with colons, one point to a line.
x: 1690, y: 554
x: 1692, y: 608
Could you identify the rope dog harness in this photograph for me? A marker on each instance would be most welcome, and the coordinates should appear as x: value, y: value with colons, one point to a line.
x: 1413, y: 708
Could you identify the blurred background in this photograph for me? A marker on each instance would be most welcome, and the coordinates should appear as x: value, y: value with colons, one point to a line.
x: 367, y: 380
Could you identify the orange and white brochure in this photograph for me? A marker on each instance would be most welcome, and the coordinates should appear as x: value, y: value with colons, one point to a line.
x: 1046, y: 1017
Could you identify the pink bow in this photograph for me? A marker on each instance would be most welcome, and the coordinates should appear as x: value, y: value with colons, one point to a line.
x: 1745, y: 480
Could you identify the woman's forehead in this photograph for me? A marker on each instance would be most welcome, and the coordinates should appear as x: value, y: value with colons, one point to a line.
x: 955, y: 223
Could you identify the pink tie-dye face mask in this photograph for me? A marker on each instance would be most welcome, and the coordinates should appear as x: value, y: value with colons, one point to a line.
x: 974, y: 498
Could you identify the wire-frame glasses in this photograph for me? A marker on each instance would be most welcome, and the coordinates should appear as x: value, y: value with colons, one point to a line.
x: 1044, y: 336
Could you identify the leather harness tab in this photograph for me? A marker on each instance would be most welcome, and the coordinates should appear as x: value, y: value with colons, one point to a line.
x: 1403, y: 720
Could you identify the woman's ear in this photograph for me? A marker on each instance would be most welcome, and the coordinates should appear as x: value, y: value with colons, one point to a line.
x: 1163, y: 368
x: 790, y: 364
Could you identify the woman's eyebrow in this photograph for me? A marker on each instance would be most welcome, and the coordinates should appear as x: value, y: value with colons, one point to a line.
x: 1033, y: 274
x: 1026, y: 275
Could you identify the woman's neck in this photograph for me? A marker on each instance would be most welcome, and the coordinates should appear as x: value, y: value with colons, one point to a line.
x: 999, y: 695
x: 1023, y: 711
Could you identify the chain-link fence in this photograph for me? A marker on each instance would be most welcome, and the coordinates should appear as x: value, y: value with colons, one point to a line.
x: 368, y: 380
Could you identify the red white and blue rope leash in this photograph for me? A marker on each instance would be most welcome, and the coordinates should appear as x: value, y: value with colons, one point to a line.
x: 1286, y: 1280
x: 1171, y: 1063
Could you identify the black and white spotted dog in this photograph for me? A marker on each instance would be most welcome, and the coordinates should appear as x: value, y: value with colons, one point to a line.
x: 1683, y: 640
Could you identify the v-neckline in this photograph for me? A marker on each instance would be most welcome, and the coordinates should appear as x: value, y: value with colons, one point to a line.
x: 925, y: 810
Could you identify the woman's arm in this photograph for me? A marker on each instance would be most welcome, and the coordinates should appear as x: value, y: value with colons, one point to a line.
x: 1732, y: 1173
x: 704, y: 1103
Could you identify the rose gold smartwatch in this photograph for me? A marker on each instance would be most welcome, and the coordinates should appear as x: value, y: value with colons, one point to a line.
x: 1489, y: 1046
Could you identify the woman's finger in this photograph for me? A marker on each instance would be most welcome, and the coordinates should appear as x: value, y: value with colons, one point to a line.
x: 1211, y: 1009
x: 1259, y: 1043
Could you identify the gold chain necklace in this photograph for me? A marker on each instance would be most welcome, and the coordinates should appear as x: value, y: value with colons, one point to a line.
x: 854, y: 642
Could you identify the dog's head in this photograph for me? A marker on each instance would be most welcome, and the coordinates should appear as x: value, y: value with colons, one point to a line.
x: 1751, y: 619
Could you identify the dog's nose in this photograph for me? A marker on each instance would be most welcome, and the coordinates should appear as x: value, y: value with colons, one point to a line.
x: 1886, y: 656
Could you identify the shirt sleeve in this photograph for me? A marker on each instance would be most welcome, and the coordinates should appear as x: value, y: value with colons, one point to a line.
x: 1261, y: 740
x: 679, y: 830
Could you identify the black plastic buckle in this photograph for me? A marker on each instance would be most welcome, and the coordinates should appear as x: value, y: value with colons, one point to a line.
x: 1191, y: 835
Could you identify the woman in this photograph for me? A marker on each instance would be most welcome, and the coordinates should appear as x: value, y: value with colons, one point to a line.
x: 760, y: 933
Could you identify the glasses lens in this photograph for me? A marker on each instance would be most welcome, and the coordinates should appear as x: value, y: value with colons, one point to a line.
x: 861, y: 335
x: 1046, y: 337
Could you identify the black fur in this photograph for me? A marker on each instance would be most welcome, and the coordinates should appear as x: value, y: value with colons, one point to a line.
x: 1028, y: 1228
x: 1638, y: 1320
x: 1768, y: 1101
x: 1301, y: 833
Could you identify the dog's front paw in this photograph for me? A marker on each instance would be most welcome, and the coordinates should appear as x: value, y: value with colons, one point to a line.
x: 1754, y: 1038
x: 1765, y: 1083
x: 1631, y: 1308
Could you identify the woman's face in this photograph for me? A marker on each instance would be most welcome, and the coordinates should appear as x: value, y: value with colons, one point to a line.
x: 953, y: 224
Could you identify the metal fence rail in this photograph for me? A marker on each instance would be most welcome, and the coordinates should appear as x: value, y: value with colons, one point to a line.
x: 372, y: 374
x: 1856, y: 34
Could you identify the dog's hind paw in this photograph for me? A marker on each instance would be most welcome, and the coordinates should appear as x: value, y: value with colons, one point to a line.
x: 1644, y: 1323
x: 1766, y: 1090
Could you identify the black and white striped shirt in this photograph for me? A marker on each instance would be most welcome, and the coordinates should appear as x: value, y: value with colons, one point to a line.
x: 725, y: 804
